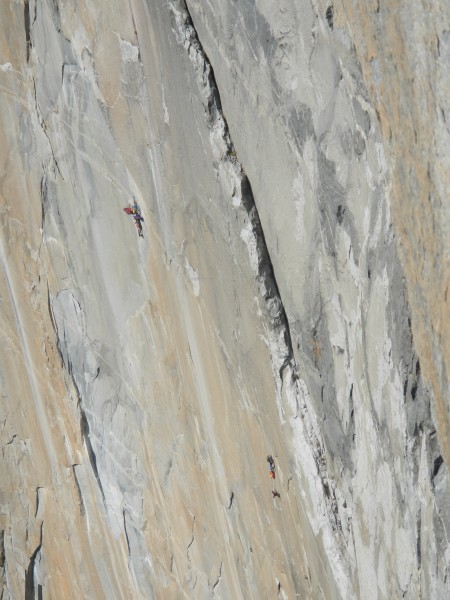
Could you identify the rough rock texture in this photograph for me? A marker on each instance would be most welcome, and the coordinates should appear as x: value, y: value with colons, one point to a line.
x: 404, y: 52
x: 273, y: 306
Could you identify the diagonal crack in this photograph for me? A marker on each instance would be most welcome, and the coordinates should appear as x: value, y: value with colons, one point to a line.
x: 84, y: 423
x: 192, y: 539
x: 29, y: 576
x: 242, y: 194
x: 279, y: 336
x: 80, y: 495
x: 126, y: 532
x: 216, y: 583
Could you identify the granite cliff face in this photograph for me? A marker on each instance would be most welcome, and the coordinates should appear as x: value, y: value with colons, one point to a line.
x: 289, y: 297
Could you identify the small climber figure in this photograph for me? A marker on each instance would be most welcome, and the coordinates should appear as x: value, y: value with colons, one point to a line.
x: 135, y: 212
x: 271, y: 462
x: 275, y: 494
x: 272, y: 474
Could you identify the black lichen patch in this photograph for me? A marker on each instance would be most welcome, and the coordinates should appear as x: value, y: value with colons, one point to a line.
x: 329, y: 15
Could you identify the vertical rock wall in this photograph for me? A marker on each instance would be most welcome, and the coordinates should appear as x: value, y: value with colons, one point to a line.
x: 266, y: 310
x: 403, y: 50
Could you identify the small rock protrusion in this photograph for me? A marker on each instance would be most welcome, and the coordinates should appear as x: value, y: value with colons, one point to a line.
x: 437, y: 465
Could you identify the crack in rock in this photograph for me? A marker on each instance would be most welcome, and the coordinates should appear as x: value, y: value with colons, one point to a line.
x: 84, y: 424
x: 80, y: 495
x: 216, y: 583
x: 279, y: 336
x: 4, y: 591
x: 29, y: 576
x: 38, y: 500
x: 27, y: 25
x: 191, y: 542
x: 126, y: 533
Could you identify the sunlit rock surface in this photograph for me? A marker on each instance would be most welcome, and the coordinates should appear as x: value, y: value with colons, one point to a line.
x: 289, y: 297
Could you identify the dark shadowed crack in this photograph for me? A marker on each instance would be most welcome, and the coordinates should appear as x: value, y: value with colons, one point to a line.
x: 216, y: 583
x: 188, y: 557
x: 192, y: 540
x: 44, y: 128
x: 126, y: 532
x: 29, y: 576
x: 419, y: 540
x: 37, y: 501
x: 3, y: 581
x: 27, y: 23
x: 2, y: 548
x: 280, y: 339
x: 84, y: 425
x: 80, y: 496
x: 242, y: 195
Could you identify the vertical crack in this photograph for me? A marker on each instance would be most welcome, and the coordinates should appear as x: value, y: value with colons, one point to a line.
x: 37, y: 501
x: 27, y: 22
x: 126, y: 533
x: 3, y: 581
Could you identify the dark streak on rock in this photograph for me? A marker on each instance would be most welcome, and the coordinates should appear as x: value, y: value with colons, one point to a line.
x: 438, y: 461
x: 37, y: 501
x: 419, y: 537
x: 53, y: 322
x: 329, y: 15
x: 135, y: 32
x: 80, y: 496
x: 340, y: 214
x: 43, y: 199
x: 43, y: 125
x: 84, y: 425
x: 27, y: 21
x: 191, y: 542
x: 126, y: 532
x: 2, y: 549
